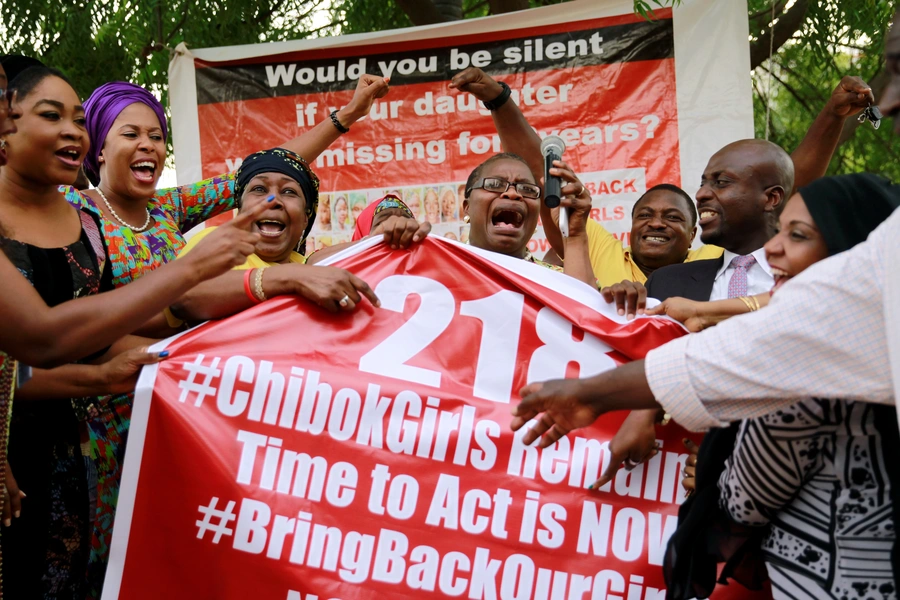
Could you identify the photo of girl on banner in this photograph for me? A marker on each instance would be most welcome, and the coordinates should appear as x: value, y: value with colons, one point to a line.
x: 323, y: 213
x: 412, y: 197
x: 358, y: 202
x: 341, y: 214
x: 449, y: 208
x: 432, y: 206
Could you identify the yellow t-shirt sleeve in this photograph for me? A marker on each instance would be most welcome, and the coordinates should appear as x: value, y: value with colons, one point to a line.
x: 704, y: 252
x: 601, y: 244
x: 195, y: 239
x: 607, y: 255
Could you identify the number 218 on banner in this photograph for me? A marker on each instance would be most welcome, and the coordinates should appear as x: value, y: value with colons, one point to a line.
x: 501, y: 319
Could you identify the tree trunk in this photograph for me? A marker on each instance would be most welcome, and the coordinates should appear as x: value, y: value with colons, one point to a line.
x: 788, y: 24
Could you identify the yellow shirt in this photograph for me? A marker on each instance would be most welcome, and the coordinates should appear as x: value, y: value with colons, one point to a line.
x: 612, y: 262
x: 252, y: 262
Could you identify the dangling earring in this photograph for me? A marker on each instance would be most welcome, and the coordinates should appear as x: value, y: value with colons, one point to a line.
x: 466, y: 219
x: 3, y: 144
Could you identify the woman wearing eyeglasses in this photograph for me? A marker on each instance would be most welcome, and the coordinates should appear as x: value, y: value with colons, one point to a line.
x: 502, y: 205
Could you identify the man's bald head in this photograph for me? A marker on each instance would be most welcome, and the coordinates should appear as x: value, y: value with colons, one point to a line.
x: 744, y: 185
x: 770, y: 163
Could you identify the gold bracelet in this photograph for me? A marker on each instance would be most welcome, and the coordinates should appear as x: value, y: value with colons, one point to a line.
x: 747, y: 303
x: 753, y: 303
x: 257, y: 284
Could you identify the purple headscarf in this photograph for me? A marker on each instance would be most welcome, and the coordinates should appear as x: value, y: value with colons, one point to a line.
x: 101, y: 111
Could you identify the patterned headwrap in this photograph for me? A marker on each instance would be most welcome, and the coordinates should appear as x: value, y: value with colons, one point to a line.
x: 101, y: 111
x: 280, y: 160
x: 367, y: 217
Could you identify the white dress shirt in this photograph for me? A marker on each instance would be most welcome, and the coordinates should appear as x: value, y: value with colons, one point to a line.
x: 826, y: 334
x: 759, y: 276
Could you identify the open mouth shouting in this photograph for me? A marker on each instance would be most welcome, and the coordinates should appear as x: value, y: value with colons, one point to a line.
x: 507, y: 218
x: 71, y: 156
x: 270, y: 228
x: 144, y: 170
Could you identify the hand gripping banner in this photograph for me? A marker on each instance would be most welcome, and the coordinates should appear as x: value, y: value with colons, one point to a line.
x: 289, y: 453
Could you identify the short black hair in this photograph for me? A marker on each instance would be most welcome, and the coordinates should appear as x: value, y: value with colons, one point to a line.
x: 14, y: 64
x: 26, y: 81
x: 477, y: 171
x: 668, y: 187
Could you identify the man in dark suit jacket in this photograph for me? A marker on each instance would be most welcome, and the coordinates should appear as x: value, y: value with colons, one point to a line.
x: 743, y: 189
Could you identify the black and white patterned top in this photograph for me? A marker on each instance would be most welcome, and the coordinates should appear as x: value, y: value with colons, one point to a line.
x: 815, y: 474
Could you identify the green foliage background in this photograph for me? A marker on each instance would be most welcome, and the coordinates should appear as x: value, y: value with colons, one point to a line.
x: 94, y: 41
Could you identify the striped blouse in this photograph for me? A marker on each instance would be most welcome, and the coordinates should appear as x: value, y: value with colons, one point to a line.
x: 816, y: 474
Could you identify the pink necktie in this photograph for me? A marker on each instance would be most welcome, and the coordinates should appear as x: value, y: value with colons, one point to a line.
x: 737, y: 286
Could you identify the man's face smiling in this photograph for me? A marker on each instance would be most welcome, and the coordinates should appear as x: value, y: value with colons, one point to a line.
x: 733, y: 199
x: 661, y: 230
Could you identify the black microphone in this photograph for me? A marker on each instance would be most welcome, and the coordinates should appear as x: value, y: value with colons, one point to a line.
x: 552, y: 148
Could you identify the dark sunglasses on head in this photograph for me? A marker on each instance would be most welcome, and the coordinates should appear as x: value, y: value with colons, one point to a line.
x: 499, y: 186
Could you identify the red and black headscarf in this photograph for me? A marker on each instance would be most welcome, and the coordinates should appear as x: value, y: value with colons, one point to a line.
x: 367, y: 217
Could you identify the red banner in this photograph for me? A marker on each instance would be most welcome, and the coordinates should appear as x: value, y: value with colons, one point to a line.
x: 290, y: 453
x: 605, y: 85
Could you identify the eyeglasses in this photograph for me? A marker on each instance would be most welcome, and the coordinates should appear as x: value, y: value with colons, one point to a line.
x: 499, y: 186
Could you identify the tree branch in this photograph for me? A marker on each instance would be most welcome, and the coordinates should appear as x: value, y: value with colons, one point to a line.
x: 264, y: 16
x: 180, y: 23
x: 790, y: 89
x: 767, y: 12
x: 315, y: 6
x: 759, y: 93
x: 160, y: 38
x: 821, y: 94
x: 788, y: 24
x: 332, y: 24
